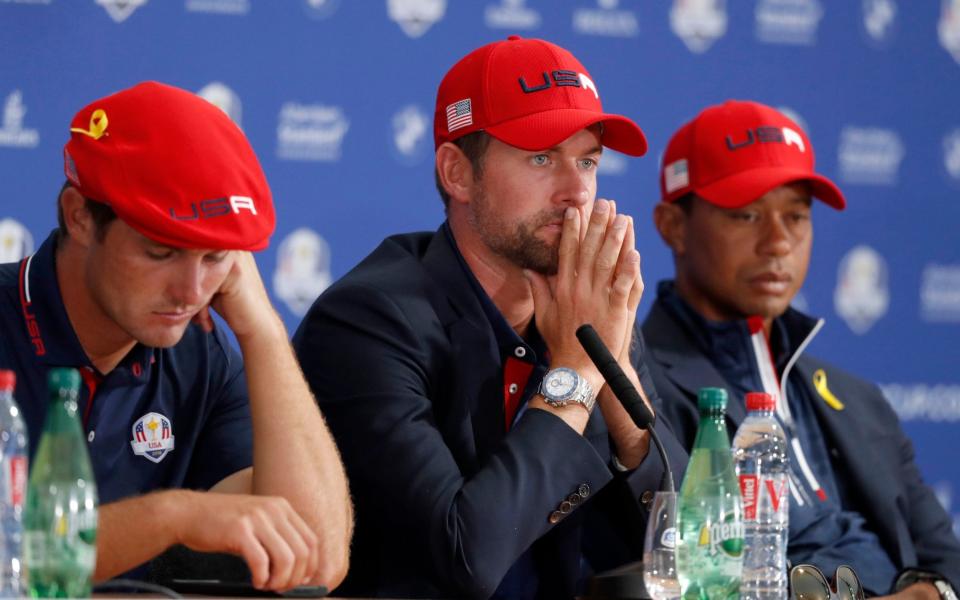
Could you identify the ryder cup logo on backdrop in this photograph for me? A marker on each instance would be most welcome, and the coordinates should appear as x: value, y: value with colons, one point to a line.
x: 870, y: 155
x: 320, y: 9
x: 120, y: 10
x: 152, y: 437
x: 862, y: 294
x: 225, y: 99
x: 699, y: 23
x: 13, y: 134
x: 303, y: 270
x: 409, y: 131
x: 788, y: 21
x: 951, y: 155
x: 219, y: 7
x: 606, y: 20
x: 310, y: 132
x: 940, y: 294
x: 415, y: 17
x: 879, y: 20
x: 15, y: 241
x: 511, y: 14
x: 612, y: 163
x: 948, y: 29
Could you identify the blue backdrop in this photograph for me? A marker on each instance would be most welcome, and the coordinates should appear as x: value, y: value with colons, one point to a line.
x: 336, y: 97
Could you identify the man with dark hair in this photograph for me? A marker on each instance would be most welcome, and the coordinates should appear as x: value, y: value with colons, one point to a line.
x: 164, y: 201
x: 737, y: 185
x: 447, y: 365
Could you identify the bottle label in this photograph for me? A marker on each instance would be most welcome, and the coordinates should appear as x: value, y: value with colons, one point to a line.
x: 17, y: 480
x: 754, y: 491
x: 726, y: 537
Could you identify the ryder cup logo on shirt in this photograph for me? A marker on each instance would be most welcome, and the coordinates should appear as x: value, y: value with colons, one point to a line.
x: 415, y: 17
x: 15, y: 241
x: 788, y: 21
x: 948, y: 29
x: 606, y: 20
x: 152, y: 437
x: 511, y: 14
x: 120, y: 10
x: 13, y: 134
x: 699, y: 23
x: 862, y: 294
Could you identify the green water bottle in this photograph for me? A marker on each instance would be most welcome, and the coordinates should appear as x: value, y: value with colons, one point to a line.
x: 60, y: 519
x: 710, y: 511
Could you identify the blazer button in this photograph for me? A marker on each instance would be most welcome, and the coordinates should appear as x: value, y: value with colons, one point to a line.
x: 574, y: 499
x: 834, y: 453
x: 565, y: 507
x: 583, y: 490
x: 646, y: 498
x: 555, y: 517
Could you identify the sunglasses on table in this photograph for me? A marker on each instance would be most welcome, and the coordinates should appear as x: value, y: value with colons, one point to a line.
x: 807, y: 582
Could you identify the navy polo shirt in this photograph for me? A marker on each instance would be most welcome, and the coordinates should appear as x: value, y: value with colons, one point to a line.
x: 174, y: 417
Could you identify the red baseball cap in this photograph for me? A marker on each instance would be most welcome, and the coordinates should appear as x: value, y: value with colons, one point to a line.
x: 173, y: 166
x: 527, y: 93
x: 733, y: 153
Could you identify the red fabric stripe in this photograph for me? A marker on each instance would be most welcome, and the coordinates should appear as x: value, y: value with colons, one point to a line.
x: 92, y: 380
x: 517, y: 372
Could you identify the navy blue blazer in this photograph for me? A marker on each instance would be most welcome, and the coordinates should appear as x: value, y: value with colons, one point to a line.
x: 868, y: 447
x: 407, y: 372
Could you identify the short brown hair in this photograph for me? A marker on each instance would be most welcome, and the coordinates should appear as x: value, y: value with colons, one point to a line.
x: 102, y: 215
x: 474, y: 147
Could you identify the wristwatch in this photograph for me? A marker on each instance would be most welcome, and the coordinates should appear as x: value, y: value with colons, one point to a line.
x: 911, y: 576
x: 563, y: 386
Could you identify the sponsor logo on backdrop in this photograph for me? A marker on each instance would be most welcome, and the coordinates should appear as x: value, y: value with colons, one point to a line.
x: 415, y: 17
x: 13, y: 134
x: 320, y: 9
x: 511, y: 14
x: 699, y: 23
x: 862, y: 294
x: 951, y: 154
x: 120, y: 10
x: 940, y: 294
x: 870, y: 155
x: 606, y: 20
x: 788, y: 21
x: 225, y: 99
x: 15, y: 241
x: 310, y: 132
x: 948, y: 29
x: 303, y: 270
x: 219, y: 7
x: 880, y: 20
x: 936, y: 402
x: 612, y: 163
x: 409, y: 131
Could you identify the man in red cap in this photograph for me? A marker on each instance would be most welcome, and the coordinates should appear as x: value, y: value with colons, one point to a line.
x: 447, y: 364
x: 737, y: 186
x: 163, y: 202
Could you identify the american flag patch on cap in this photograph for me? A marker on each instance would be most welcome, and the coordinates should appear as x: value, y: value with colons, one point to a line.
x: 676, y: 175
x: 459, y: 114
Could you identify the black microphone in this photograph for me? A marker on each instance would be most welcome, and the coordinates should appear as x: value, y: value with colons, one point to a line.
x: 626, y: 393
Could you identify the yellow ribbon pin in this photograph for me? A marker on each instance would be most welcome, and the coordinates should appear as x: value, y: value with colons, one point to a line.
x: 98, y: 125
x: 820, y: 382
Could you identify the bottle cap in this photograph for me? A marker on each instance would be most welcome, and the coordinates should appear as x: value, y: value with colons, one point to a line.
x: 760, y: 401
x: 61, y: 378
x: 710, y: 398
x: 8, y: 379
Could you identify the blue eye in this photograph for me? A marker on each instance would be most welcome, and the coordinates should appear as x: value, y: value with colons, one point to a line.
x: 540, y: 159
x: 589, y: 163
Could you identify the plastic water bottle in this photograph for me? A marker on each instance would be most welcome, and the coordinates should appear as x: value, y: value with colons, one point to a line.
x: 13, y: 487
x: 762, y: 462
x: 709, y: 520
x: 60, y: 519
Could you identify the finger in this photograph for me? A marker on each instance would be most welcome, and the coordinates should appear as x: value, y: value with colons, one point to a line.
x: 609, y: 256
x: 298, y: 545
x: 623, y: 283
x: 311, y: 542
x: 257, y: 559
x: 629, y: 241
x: 540, y: 289
x: 569, y: 243
x: 593, y: 239
x: 636, y: 292
x: 280, y: 553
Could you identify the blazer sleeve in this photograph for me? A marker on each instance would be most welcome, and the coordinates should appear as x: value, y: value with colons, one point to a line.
x: 379, y: 371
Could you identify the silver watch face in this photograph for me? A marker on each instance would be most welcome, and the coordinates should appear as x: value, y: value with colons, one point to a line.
x: 559, y: 384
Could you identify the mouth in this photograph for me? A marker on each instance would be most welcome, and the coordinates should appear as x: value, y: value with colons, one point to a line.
x: 771, y: 283
x: 174, y: 317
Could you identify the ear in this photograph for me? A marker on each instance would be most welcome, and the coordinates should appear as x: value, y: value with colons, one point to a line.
x: 79, y: 221
x: 671, y: 223
x: 455, y: 172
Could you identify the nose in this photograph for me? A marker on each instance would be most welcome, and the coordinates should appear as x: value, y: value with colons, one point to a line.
x: 186, y: 287
x: 574, y: 186
x: 776, y: 239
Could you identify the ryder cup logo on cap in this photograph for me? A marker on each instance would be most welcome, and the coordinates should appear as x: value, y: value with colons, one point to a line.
x: 733, y: 153
x: 152, y: 437
x: 172, y: 166
x: 529, y: 94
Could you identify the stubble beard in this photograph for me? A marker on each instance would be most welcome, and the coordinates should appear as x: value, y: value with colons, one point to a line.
x: 517, y: 242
